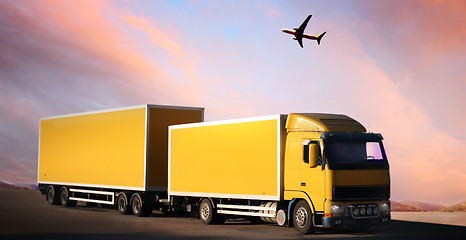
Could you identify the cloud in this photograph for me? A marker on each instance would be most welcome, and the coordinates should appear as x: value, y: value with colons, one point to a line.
x: 161, y: 39
x: 421, y: 46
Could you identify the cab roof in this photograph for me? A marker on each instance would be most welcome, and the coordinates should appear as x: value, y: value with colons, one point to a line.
x: 322, y: 122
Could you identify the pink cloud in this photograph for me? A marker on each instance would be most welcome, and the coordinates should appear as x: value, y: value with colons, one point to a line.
x: 16, y: 171
x: 421, y: 46
x: 161, y: 39
x: 184, y: 62
x: 99, y: 39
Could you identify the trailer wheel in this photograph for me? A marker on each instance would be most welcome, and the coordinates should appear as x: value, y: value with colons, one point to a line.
x: 302, y: 217
x: 52, y: 197
x: 139, y: 207
x: 208, y: 214
x: 64, y: 198
x: 122, y: 204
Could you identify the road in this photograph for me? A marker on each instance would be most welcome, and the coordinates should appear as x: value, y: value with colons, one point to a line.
x: 24, y: 214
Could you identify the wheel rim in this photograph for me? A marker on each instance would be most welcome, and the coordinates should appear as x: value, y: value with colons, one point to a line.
x: 136, y: 205
x: 301, y: 217
x: 205, y: 211
x: 50, y: 195
x: 121, y: 204
x: 63, y: 197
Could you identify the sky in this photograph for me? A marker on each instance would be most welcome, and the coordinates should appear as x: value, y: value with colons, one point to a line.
x: 398, y: 67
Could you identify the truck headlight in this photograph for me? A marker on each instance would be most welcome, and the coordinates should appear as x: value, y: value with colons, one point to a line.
x: 385, y: 207
x: 337, y: 208
x: 369, y: 211
x: 356, y: 212
x: 362, y: 211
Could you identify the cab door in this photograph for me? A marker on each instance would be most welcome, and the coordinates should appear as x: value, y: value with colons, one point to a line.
x: 312, y: 178
x: 293, y: 160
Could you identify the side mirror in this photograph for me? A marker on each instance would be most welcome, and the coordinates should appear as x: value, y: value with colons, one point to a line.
x: 314, y: 152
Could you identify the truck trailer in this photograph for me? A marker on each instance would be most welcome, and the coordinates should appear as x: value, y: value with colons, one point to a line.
x: 115, y: 157
x: 302, y: 170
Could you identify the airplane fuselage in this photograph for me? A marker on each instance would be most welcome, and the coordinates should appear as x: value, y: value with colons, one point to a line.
x: 292, y: 32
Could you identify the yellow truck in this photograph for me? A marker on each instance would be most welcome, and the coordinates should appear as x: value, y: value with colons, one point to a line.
x: 116, y: 156
x: 304, y: 170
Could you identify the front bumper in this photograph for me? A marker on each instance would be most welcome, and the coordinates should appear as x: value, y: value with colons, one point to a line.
x: 348, y: 221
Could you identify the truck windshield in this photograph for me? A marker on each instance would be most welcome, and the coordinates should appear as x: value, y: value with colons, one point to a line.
x: 346, y: 154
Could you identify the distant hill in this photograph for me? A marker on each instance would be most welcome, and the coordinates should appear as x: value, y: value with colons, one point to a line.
x: 4, y: 184
x: 403, y: 207
x: 460, y: 207
x: 416, y: 206
x: 428, y: 207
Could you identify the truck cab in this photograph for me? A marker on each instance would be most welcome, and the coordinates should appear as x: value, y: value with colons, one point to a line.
x: 336, y: 174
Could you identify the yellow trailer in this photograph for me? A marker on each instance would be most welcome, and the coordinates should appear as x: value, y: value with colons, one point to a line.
x: 228, y: 159
x: 112, y: 150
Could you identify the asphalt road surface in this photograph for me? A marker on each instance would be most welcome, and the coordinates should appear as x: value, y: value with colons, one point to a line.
x: 24, y: 214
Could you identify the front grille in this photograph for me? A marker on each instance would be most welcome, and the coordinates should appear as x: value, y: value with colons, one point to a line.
x: 349, y: 193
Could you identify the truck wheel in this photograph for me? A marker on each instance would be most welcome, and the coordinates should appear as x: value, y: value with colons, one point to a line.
x: 52, y: 197
x: 64, y: 198
x: 140, y: 208
x: 302, y: 217
x: 122, y: 204
x: 208, y: 214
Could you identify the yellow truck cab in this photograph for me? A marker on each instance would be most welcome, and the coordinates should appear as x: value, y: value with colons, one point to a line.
x: 340, y: 170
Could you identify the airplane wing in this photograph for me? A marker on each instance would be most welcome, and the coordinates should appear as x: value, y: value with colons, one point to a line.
x: 300, y: 41
x: 303, y: 25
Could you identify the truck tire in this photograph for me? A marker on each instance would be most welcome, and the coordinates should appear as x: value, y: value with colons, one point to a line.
x: 65, y: 199
x: 302, y: 217
x: 139, y: 207
x: 207, y: 213
x: 52, y: 197
x: 122, y: 204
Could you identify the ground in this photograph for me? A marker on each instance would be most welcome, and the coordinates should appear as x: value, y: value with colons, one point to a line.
x: 26, y: 215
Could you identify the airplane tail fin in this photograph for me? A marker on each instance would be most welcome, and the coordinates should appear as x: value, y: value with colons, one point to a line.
x: 320, y: 37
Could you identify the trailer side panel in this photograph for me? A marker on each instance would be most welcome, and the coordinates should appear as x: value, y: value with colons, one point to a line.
x: 233, y: 159
x: 104, y: 149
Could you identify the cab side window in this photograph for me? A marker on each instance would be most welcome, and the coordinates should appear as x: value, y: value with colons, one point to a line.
x: 306, y: 153
x: 306, y: 149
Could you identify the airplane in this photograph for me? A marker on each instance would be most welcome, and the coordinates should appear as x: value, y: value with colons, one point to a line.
x: 299, y: 33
